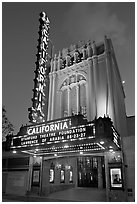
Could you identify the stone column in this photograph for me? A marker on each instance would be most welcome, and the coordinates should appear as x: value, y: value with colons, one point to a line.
x: 87, y: 101
x: 107, y: 176
x: 53, y: 96
x: 100, y: 178
x: 61, y: 92
x: 109, y: 68
x: 96, y: 81
x: 78, y: 101
x: 91, y: 91
x: 52, y: 64
x: 69, y: 108
x: 30, y: 173
x: 50, y: 96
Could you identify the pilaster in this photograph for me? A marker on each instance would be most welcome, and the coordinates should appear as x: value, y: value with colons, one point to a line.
x: 50, y: 96
x: 78, y: 100
x: 100, y: 179
x: 95, y: 61
x: 69, y: 105
x: 110, y: 99
x: 53, y: 96
x: 60, y: 94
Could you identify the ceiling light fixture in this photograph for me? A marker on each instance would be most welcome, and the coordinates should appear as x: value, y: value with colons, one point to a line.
x: 102, y: 142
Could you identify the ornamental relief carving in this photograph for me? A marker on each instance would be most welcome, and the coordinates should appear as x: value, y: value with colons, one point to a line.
x: 82, y: 66
x: 72, y: 80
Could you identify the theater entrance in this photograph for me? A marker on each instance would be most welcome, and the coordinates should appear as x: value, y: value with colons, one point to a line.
x: 91, y: 172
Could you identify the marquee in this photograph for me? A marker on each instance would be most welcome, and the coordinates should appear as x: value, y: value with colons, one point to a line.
x: 71, y: 134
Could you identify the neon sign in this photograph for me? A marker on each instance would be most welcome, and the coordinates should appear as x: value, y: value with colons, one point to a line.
x: 53, y: 132
x: 36, y: 113
x: 63, y: 135
x: 49, y: 138
x: 48, y: 128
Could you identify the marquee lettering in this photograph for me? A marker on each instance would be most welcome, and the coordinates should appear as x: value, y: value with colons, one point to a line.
x: 48, y: 128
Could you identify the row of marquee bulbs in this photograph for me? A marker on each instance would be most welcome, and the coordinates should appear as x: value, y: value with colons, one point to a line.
x: 67, y: 146
x: 110, y: 150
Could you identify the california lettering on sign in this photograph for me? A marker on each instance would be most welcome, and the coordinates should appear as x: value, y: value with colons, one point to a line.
x: 36, y: 113
x: 48, y: 128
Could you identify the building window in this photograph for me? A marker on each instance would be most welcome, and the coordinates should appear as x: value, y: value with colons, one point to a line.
x: 62, y: 174
x: 51, y: 173
x: 70, y: 176
x: 64, y: 103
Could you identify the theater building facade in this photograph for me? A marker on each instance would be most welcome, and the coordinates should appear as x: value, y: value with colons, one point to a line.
x: 75, y: 138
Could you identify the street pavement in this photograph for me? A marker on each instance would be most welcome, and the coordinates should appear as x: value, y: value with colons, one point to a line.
x: 30, y: 199
x: 69, y: 195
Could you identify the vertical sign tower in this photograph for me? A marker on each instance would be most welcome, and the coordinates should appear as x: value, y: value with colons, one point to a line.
x: 36, y: 113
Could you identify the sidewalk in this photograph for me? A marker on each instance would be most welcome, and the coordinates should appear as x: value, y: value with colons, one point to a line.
x: 81, y: 195
x: 69, y: 195
x: 15, y: 198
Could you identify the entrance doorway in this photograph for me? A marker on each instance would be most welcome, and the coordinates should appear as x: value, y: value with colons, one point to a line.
x: 35, y: 182
x: 91, y: 171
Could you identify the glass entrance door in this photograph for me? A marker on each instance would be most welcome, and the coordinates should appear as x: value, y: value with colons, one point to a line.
x: 88, y: 171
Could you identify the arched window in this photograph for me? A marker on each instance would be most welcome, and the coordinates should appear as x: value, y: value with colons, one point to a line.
x: 65, y: 102
x: 74, y: 100
x: 83, y: 108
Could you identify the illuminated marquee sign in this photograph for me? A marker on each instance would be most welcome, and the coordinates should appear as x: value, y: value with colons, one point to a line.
x: 53, y: 132
x: 68, y: 134
x: 36, y: 111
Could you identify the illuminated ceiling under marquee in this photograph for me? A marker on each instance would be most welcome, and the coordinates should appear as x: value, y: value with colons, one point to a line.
x: 67, y: 136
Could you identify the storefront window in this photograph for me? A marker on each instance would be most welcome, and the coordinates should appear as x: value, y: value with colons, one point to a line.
x: 51, y: 173
x: 70, y: 176
x: 62, y: 174
x: 51, y: 177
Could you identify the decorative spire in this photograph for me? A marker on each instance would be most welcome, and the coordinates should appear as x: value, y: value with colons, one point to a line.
x: 68, y: 58
x: 76, y: 54
x: 36, y: 114
x: 60, y: 61
x: 89, y: 49
x: 94, y: 48
x: 55, y: 63
x: 84, y: 52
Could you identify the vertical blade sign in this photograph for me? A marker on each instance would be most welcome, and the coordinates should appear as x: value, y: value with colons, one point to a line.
x: 36, y: 114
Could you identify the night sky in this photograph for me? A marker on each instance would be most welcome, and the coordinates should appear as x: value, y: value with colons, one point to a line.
x: 70, y: 22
